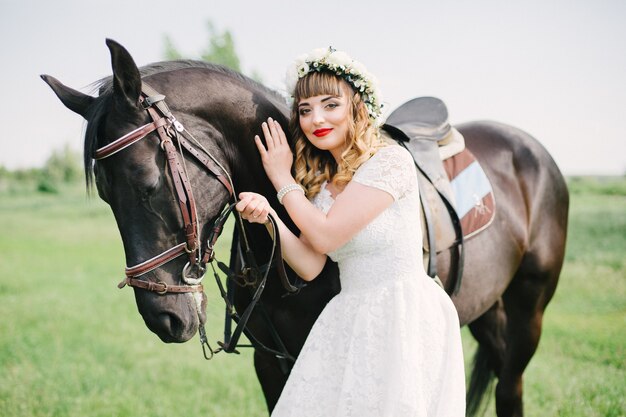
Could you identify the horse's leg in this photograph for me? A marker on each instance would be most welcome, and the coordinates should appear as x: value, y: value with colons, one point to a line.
x: 488, y: 330
x: 524, y: 303
x: 270, y: 376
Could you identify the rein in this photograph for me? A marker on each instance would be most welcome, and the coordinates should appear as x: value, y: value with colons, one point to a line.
x: 171, y: 131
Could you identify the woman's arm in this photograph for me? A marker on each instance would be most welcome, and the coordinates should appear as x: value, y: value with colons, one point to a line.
x: 300, y: 256
x: 353, y: 209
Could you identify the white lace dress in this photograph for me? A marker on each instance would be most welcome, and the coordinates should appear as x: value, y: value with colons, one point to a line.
x: 389, y: 344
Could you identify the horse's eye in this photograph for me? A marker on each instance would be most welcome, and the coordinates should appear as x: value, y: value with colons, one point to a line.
x: 147, y: 191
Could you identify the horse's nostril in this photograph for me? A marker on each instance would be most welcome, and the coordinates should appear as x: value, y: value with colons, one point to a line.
x: 171, y: 324
x: 165, y: 320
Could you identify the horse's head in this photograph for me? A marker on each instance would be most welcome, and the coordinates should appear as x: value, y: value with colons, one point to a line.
x: 148, y: 186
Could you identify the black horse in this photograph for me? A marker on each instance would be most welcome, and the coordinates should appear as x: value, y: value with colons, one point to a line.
x: 511, y: 270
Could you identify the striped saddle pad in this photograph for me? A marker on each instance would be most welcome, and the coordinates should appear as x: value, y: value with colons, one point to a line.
x: 475, y: 203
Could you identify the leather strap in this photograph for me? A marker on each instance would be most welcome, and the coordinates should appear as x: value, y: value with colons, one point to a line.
x: 186, y: 201
x: 159, y: 287
x: 207, y: 162
x: 158, y: 100
x: 155, y: 262
x: 128, y: 139
x: 276, y: 260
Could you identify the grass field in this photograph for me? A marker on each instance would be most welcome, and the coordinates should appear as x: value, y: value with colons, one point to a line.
x: 72, y: 344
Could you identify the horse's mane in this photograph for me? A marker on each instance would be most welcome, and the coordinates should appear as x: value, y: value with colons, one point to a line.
x: 105, y: 85
x: 104, y: 88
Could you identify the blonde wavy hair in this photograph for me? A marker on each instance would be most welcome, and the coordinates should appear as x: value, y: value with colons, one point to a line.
x: 313, y: 166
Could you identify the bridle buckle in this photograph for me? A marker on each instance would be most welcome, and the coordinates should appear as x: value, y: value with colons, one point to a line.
x: 149, y: 101
x: 164, y: 289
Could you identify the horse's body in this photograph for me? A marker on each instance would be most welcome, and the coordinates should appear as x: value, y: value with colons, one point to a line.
x: 511, y: 269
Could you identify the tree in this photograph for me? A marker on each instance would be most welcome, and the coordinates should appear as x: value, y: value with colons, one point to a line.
x: 220, y: 50
x: 171, y: 52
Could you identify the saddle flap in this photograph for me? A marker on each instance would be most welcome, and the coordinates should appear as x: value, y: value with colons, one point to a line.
x: 442, y: 227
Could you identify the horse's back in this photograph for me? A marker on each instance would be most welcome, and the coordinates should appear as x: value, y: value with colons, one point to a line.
x: 503, y: 151
x: 489, y: 139
x: 531, y: 213
x: 517, y: 163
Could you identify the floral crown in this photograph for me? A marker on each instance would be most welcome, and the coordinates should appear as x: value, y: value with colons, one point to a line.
x: 344, y: 66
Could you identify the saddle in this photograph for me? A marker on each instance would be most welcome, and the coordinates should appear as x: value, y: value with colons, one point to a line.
x: 421, y: 126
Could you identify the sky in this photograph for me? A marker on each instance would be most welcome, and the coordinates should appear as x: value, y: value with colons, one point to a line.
x: 556, y: 69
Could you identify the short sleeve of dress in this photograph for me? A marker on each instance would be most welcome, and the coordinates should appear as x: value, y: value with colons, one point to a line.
x: 391, y: 169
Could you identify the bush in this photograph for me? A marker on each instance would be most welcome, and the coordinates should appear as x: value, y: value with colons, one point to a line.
x: 63, y: 166
x: 45, y: 185
x: 598, y: 185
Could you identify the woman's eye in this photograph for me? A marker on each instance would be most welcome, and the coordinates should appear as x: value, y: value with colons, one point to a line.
x: 332, y: 105
x: 303, y: 112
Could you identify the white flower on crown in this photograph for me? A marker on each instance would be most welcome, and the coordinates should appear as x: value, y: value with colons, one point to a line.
x: 358, y: 67
x: 301, y: 59
x: 343, y: 65
x: 316, y: 54
x: 340, y: 58
x: 303, y: 70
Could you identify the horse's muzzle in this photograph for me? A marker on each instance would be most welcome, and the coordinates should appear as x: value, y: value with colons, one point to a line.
x: 172, y: 317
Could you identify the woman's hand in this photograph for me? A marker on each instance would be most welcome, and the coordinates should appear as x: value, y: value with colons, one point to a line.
x: 254, y: 207
x: 277, y: 157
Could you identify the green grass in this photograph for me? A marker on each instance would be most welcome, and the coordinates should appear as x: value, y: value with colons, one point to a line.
x: 72, y: 344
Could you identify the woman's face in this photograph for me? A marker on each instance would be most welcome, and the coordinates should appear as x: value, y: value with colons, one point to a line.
x: 325, y: 121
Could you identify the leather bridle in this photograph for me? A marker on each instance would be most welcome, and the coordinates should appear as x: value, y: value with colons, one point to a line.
x: 171, y: 132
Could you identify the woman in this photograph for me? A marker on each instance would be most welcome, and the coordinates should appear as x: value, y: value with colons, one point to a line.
x: 389, y: 344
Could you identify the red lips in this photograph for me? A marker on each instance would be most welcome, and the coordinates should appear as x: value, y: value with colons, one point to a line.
x: 322, y: 132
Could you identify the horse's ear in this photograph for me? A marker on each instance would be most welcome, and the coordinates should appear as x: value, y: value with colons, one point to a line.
x: 72, y: 99
x: 126, y: 78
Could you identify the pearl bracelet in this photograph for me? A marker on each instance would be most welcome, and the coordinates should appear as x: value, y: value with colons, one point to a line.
x: 287, y: 189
